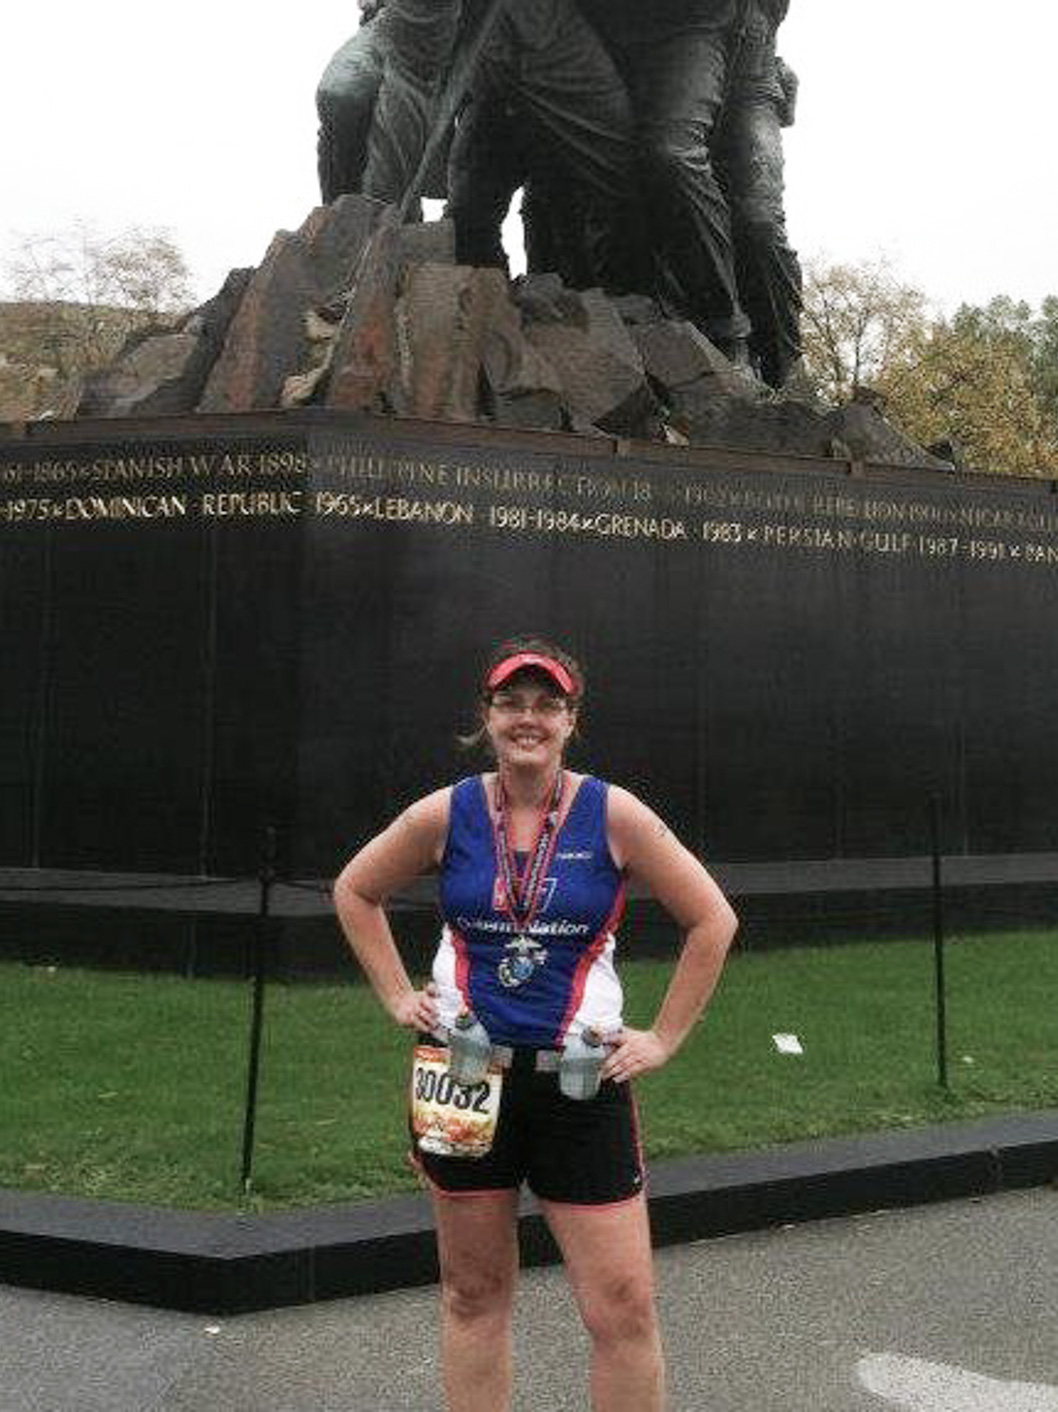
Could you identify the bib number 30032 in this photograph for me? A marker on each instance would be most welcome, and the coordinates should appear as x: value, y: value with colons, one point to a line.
x: 450, y: 1119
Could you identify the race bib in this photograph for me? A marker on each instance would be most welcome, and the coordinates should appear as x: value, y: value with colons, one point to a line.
x: 453, y: 1120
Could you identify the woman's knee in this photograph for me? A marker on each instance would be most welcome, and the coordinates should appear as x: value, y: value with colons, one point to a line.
x: 621, y: 1310
x: 476, y: 1295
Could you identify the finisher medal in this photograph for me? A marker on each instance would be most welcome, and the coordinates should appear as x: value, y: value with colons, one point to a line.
x: 521, y: 894
x: 522, y: 958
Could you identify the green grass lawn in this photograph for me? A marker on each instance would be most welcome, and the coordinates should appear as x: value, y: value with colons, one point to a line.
x: 132, y: 1087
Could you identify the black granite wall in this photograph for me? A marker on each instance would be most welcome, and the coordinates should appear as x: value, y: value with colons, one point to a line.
x: 280, y: 619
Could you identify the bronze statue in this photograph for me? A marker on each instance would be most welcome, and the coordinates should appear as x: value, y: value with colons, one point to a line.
x: 543, y: 100
x: 709, y: 102
x: 748, y: 152
x: 345, y: 103
x: 548, y: 108
x: 379, y: 98
x: 647, y: 138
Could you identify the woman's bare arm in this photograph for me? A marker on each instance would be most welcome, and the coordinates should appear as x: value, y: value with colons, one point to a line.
x: 410, y: 846
x: 652, y: 855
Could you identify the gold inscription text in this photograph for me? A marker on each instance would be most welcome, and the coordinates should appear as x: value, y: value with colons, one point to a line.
x: 341, y: 505
x: 268, y: 504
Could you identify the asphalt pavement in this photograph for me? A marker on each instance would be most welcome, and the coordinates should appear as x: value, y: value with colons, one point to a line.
x: 945, y: 1308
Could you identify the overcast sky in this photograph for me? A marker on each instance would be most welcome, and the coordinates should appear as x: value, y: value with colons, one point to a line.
x: 924, y: 132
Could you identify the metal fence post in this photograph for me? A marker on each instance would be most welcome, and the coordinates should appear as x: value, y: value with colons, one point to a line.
x: 266, y: 879
x: 938, y: 947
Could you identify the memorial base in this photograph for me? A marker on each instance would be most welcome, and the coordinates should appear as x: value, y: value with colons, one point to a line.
x: 217, y: 625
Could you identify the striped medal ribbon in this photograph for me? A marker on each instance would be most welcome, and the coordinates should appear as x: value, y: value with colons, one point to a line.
x: 521, y: 892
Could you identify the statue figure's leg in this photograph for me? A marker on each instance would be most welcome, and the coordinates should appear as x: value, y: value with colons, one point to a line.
x: 579, y: 144
x: 548, y: 111
x: 769, y: 273
x: 563, y: 236
x: 678, y: 86
x: 484, y: 171
x: 418, y: 37
x: 750, y: 152
x: 345, y: 101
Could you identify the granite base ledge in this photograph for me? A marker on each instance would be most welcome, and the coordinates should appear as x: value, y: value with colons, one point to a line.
x: 226, y: 1264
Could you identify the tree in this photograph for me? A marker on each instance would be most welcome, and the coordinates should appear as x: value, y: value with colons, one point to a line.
x: 859, y: 321
x: 97, y: 288
x: 986, y: 378
x: 977, y: 390
x: 1045, y: 356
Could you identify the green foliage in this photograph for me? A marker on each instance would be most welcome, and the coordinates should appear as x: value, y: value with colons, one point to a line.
x: 1045, y: 357
x: 979, y: 379
x: 985, y: 379
x: 132, y: 1087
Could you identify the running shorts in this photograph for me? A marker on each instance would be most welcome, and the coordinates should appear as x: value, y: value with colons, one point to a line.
x: 580, y: 1151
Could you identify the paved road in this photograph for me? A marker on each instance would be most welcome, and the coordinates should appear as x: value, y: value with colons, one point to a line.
x: 950, y: 1308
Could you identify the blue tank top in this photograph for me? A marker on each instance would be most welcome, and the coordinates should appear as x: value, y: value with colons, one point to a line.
x: 557, y: 975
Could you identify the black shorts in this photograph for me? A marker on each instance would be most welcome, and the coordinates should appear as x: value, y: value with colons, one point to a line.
x: 582, y: 1151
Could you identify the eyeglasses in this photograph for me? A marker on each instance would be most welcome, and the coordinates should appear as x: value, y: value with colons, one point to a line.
x: 547, y: 706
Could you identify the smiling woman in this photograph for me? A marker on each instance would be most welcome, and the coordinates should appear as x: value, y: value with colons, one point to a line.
x: 497, y: 691
x: 522, y: 1068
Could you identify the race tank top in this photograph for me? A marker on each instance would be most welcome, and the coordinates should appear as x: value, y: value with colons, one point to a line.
x: 533, y: 985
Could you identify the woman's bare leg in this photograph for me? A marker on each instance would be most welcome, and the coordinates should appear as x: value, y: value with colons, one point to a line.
x: 478, y: 1250
x: 607, y: 1255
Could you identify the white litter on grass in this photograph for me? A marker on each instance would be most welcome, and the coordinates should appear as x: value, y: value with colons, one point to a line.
x: 787, y: 1044
x: 211, y: 1330
x: 920, y: 1386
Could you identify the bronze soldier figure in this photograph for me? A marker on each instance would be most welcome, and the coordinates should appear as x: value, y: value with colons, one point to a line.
x: 345, y: 103
x: 749, y: 156
x: 379, y: 96
x: 708, y: 106
x: 548, y: 108
x: 545, y: 99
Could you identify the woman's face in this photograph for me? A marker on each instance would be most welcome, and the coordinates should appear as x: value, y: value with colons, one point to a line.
x: 528, y: 722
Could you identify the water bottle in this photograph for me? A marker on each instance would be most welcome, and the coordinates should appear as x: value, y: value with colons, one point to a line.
x: 580, y: 1067
x: 469, y: 1049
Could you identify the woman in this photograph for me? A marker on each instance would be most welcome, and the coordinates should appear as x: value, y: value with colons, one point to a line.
x: 534, y: 861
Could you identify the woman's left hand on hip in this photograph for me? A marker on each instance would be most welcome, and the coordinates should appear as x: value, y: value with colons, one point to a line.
x: 634, y: 1052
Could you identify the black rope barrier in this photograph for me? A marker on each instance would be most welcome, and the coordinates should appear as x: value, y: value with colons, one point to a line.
x: 176, y: 885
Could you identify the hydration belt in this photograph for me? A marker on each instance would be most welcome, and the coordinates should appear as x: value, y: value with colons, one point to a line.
x: 502, y: 1055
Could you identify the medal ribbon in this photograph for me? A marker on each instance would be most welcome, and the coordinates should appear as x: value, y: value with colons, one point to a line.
x: 522, y: 893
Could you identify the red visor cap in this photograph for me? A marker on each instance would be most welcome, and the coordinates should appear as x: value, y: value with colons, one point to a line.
x: 503, y: 671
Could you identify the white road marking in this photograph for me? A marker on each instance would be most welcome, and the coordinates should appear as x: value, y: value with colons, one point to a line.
x: 919, y: 1386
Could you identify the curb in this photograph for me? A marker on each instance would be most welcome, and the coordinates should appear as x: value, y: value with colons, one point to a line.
x: 205, y: 1262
